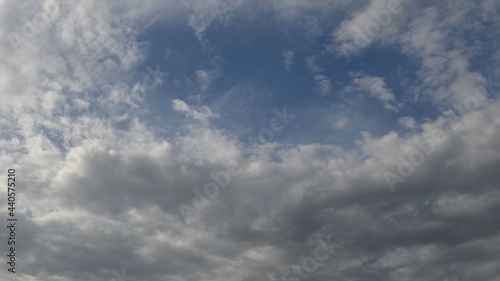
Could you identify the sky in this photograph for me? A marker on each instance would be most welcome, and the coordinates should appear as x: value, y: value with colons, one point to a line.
x: 270, y: 140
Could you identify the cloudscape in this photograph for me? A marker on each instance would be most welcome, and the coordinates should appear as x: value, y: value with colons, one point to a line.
x: 250, y: 140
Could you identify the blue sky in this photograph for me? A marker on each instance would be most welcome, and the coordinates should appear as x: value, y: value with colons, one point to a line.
x: 251, y: 60
x: 251, y: 139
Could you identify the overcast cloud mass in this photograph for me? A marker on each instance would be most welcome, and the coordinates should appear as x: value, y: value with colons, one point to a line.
x: 269, y: 140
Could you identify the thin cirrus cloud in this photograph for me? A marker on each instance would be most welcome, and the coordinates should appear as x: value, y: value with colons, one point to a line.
x: 134, y: 163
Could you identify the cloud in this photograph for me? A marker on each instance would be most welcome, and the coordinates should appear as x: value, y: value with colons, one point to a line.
x: 203, y: 114
x: 312, y: 66
x: 407, y: 122
x: 323, y: 85
x: 288, y: 59
x: 101, y: 174
x: 322, y: 203
x: 375, y: 87
x: 377, y: 20
x: 341, y: 123
x: 206, y: 12
x: 205, y: 78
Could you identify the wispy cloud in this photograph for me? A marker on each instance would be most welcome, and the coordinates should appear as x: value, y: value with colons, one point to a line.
x: 374, y: 87
x: 323, y: 85
x: 288, y: 59
x: 203, y: 113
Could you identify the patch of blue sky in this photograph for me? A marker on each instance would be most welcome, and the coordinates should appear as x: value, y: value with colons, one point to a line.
x: 251, y: 79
